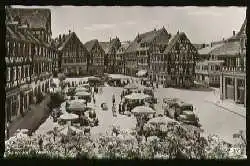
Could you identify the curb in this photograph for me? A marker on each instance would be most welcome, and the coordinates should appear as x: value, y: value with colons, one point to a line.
x: 243, y: 116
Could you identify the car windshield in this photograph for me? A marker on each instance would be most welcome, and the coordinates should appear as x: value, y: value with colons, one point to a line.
x: 187, y: 108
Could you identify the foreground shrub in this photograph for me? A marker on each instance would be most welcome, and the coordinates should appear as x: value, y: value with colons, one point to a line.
x: 177, y: 143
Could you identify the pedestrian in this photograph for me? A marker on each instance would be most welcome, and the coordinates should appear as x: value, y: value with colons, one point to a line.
x: 114, y: 110
x: 40, y: 142
x: 113, y: 99
x: 94, y: 100
x: 120, y: 108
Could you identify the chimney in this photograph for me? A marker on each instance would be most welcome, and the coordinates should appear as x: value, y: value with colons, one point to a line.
x: 233, y: 33
x: 110, y: 39
x: 69, y: 31
x: 211, y: 44
x: 178, y: 32
x: 154, y: 29
x: 223, y: 39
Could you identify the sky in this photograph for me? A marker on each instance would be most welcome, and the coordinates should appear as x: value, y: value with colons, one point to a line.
x: 201, y: 24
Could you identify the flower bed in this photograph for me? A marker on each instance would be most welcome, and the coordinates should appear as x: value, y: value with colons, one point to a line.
x: 176, y: 143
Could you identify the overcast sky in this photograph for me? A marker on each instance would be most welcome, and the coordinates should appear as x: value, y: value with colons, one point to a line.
x: 201, y: 24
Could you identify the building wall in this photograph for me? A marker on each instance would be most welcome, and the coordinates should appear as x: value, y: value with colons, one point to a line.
x: 74, y: 58
x: 28, y: 60
x: 96, y: 61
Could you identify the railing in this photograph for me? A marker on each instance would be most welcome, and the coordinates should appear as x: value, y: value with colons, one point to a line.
x: 233, y: 69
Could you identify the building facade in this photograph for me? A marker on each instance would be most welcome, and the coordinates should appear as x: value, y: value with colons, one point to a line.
x: 120, y: 58
x: 29, y: 61
x: 233, y: 76
x: 73, y: 55
x: 180, y: 59
x: 139, y: 52
x: 96, y: 57
x: 208, y: 72
x: 110, y: 48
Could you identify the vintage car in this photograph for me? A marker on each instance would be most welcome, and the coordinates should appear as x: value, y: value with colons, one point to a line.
x: 180, y: 111
x: 184, y: 113
x: 168, y: 106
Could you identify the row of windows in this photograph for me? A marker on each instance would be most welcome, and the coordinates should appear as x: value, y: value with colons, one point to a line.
x: 75, y: 60
x: 15, y: 48
x: 15, y: 73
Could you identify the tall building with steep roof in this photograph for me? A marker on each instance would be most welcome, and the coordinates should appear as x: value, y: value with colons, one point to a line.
x: 72, y: 53
x: 139, y: 51
x: 96, y: 57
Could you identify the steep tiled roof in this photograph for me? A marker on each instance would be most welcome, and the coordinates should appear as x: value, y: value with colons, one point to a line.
x: 207, y: 50
x: 124, y: 46
x: 144, y: 38
x: 37, y: 18
x: 173, y: 40
x: 229, y: 48
x: 60, y: 45
x: 109, y: 46
x: 90, y: 44
x: 105, y: 46
x: 10, y: 33
x: 243, y: 28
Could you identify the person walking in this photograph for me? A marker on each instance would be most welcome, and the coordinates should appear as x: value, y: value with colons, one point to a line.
x: 113, y: 99
x: 94, y: 100
x: 114, y: 110
x: 40, y: 142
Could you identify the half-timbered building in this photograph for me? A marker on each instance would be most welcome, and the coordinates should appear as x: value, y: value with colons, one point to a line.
x: 110, y: 48
x: 72, y: 54
x: 96, y: 57
x: 180, y: 57
x: 139, y: 52
x: 120, y: 58
x: 22, y: 72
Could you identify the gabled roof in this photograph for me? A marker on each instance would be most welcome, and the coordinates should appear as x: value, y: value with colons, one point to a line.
x: 229, y: 48
x: 37, y: 18
x: 105, y: 46
x: 174, y: 39
x: 109, y: 46
x: 146, y: 37
x: 243, y: 28
x: 60, y: 45
x: 207, y: 50
x: 90, y: 44
x: 124, y: 46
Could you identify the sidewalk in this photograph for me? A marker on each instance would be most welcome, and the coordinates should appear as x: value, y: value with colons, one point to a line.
x: 31, y: 119
x: 228, y: 105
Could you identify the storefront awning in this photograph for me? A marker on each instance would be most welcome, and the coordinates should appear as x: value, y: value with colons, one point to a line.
x: 142, y: 73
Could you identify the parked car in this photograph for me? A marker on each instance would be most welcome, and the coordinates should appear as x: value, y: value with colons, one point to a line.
x: 180, y: 111
x: 168, y: 106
